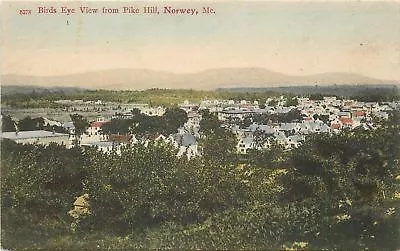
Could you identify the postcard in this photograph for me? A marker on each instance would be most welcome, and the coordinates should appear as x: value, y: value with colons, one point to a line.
x: 204, y: 125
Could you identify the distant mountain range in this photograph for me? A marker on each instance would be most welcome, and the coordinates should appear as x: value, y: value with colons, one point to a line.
x: 139, y: 79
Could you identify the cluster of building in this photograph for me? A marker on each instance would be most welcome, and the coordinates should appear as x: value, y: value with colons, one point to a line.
x: 99, y: 106
x: 184, y: 140
x: 338, y: 115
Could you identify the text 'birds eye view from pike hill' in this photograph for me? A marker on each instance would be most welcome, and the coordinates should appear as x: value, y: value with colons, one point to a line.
x: 200, y: 125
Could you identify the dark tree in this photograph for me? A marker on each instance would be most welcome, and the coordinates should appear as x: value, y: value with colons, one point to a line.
x: 117, y: 126
x: 174, y: 118
x: 324, y: 118
x: 81, y: 124
x: 292, y: 101
x: 7, y: 123
x: 135, y: 112
x: 246, y: 122
x: 209, y: 123
x: 29, y: 124
x: 219, y: 147
x: 273, y: 103
x: 55, y: 128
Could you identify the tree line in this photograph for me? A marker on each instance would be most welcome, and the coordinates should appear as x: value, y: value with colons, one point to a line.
x: 28, y: 124
x: 141, y: 124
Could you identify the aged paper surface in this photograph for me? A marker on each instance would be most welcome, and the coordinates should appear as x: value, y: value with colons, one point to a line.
x: 200, y: 125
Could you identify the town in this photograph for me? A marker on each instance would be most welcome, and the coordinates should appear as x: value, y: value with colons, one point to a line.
x: 205, y: 168
x: 284, y: 120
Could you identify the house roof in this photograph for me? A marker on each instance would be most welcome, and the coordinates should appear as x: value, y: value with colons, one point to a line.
x: 51, y: 122
x: 266, y: 129
x: 98, y: 123
x: 281, y: 109
x: 343, y: 113
x: 315, y: 124
x: 248, y: 140
x: 193, y: 115
x: 184, y: 139
x: 324, y: 128
x: 253, y: 127
x: 100, y: 144
x: 69, y: 125
x: 235, y: 129
x: 288, y: 126
x: 346, y: 121
x: 296, y: 138
x: 31, y: 134
x: 358, y: 113
x: 280, y: 137
x: 188, y: 139
x: 120, y: 138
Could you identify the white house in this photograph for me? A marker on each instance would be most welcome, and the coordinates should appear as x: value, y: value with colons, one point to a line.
x: 193, y: 121
x: 245, y: 144
x: 70, y: 127
x: 93, y: 132
x: 105, y: 146
x: 188, y: 146
x: 185, y: 142
x: 290, y: 128
x: 294, y: 141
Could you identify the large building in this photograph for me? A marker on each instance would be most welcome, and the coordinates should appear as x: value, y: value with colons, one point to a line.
x: 38, y: 137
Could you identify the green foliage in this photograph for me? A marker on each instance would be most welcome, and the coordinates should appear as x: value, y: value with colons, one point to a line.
x: 219, y: 147
x: 316, y: 96
x: 256, y: 226
x: 7, y: 123
x: 38, y: 184
x: 209, y: 123
x: 291, y: 101
x: 132, y: 188
x: 29, y: 124
x: 323, y: 118
x: 171, y: 98
x: 378, y: 94
x: 271, y: 158
x: 154, y: 97
x: 273, y: 102
x: 117, y: 126
x: 148, y: 185
x: 334, y: 192
x: 353, y: 175
x: 81, y: 124
x: 172, y: 119
x: 33, y: 124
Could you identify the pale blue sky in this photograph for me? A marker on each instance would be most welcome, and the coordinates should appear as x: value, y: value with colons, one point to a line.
x: 295, y: 38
